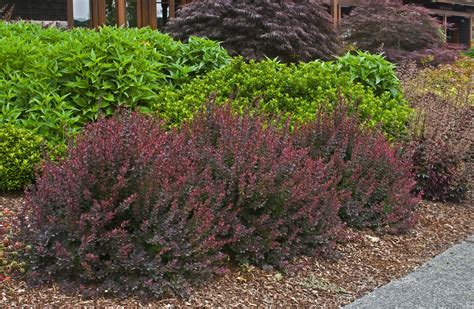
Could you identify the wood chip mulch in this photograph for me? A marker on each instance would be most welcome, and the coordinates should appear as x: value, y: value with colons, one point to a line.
x: 366, y: 262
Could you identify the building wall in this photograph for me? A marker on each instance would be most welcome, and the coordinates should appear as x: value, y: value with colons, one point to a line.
x: 40, y: 9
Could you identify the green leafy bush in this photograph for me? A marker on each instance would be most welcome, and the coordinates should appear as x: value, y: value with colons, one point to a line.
x: 298, y: 91
x: 20, y: 151
x: 373, y: 71
x: 470, y: 53
x: 54, y: 81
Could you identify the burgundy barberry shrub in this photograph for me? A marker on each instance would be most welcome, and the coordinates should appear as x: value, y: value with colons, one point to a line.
x: 292, y: 30
x: 443, y: 143
x: 136, y: 210
x: 442, y: 133
x: 285, y: 201
x: 376, y: 179
x: 127, y: 212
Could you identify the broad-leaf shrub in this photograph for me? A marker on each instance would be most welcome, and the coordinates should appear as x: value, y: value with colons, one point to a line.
x: 136, y: 210
x: 373, y: 71
x: 293, y: 31
x: 375, y: 178
x: 298, y: 91
x: 20, y: 152
x: 54, y: 81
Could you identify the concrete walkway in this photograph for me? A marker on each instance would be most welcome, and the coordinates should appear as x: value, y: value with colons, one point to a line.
x: 446, y: 281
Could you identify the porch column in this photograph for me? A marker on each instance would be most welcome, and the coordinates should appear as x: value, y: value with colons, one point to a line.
x: 471, y: 32
x: 121, y: 13
x: 445, y: 25
x: 335, y: 8
x: 172, y: 8
x: 70, y: 14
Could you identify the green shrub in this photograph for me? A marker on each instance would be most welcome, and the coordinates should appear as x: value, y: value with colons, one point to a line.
x: 470, y: 53
x: 20, y: 151
x: 373, y: 71
x: 53, y: 81
x: 451, y: 82
x: 298, y: 91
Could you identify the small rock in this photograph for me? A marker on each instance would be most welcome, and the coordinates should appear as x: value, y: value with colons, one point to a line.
x: 373, y: 238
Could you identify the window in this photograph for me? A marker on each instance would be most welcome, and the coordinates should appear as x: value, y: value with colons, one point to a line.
x: 81, y: 13
x: 132, y: 14
x: 128, y: 13
x: 110, y: 12
x: 162, y: 12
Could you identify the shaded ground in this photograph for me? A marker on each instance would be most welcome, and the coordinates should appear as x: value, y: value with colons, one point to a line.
x: 367, y: 262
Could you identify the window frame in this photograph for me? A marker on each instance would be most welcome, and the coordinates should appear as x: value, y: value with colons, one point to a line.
x: 146, y: 12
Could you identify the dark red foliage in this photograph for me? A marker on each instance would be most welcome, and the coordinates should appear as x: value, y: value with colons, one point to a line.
x: 285, y: 200
x: 128, y: 212
x: 6, y: 11
x: 444, y: 54
x: 292, y: 30
x: 377, y: 179
x: 403, y: 32
x: 136, y: 210
x: 443, y: 147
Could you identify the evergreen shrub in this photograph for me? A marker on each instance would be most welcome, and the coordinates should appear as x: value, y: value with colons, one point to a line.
x: 20, y: 152
x: 296, y: 91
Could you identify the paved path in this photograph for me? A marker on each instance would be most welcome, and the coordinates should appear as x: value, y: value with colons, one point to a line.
x: 446, y: 281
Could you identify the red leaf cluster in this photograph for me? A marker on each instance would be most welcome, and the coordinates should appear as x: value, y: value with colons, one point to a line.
x: 134, y: 209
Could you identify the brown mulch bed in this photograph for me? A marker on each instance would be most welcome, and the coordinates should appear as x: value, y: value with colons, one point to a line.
x: 366, y: 262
